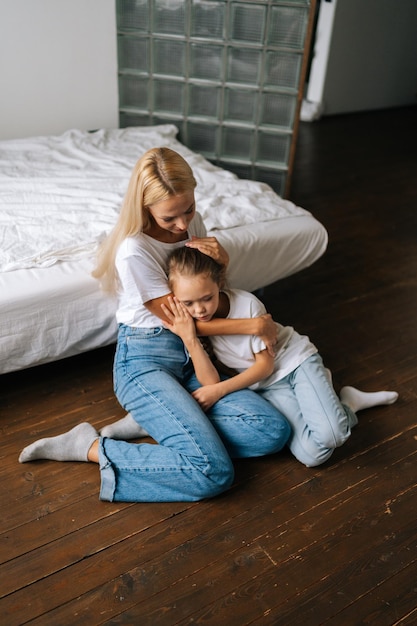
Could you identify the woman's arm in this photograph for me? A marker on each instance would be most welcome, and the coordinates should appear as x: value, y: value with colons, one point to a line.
x: 264, y: 365
x: 180, y: 322
x: 262, y: 326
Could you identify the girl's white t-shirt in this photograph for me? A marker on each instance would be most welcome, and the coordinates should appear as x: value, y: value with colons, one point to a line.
x: 237, y: 351
x: 141, y: 267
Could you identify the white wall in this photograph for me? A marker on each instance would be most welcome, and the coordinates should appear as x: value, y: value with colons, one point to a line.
x: 365, y: 56
x: 58, y: 66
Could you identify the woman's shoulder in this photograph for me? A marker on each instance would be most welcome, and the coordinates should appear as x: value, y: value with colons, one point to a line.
x: 197, y: 227
x: 130, y: 245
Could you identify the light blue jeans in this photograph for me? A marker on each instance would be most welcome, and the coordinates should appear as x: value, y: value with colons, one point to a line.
x: 319, y: 422
x: 191, y: 460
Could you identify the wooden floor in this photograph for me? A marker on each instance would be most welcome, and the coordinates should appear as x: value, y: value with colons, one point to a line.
x: 287, y: 545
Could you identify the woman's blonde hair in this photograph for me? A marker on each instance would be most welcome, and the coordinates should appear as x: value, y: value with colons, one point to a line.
x: 191, y: 262
x: 158, y: 175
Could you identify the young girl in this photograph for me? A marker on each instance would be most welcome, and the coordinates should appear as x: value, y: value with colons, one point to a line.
x: 295, y: 381
x: 153, y: 373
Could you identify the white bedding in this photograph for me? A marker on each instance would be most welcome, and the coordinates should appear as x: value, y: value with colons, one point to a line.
x: 74, y: 184
x: 58, y: 195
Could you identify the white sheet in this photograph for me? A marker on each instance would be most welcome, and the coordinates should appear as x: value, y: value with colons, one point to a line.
x: 74, y: 184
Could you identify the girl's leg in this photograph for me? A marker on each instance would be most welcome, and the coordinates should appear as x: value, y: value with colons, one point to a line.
x: 358, y: 400
x: 319, y: 421
x: 248, y: 425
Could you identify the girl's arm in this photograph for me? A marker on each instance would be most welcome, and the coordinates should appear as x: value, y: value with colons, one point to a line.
x: 180, y: 322
x: 264, y: 365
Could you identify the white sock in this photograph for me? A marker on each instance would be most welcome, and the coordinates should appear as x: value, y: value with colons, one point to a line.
x: 125, y: 428
x: 358, y: 400
x: 70, y: 446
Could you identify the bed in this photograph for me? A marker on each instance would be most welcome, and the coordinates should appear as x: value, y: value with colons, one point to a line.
x: 59, y: 195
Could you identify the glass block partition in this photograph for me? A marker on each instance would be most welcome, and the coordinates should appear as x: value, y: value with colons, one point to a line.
x: 227, y: 73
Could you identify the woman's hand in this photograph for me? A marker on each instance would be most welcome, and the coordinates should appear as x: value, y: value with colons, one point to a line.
x: 179, y: 321
x: 211, y: 247
x: 268, y: 332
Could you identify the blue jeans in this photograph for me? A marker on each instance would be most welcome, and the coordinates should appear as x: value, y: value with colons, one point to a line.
x: 319, y: 422
x: 153, y: 377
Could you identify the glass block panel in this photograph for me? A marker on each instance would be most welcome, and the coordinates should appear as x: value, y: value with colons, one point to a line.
x: 202, y: 138
x: 241, y: 105
x: 169, y: 16
x: 133, y: 119
x: 226, y: 72
x: 207, y: 19
x: 237, y: 142
x: 242, y: 171
x: 169, y: 57
x: 278, y: 109
x: 243, y: 66
x: 273, y: 147
x: 274, y: 178
x: 282, y: 69
x: 133, y: 14
x: 287, y: 27
x: 203, y: 100
x: 168, y: 96
x: 176, y: 121
x: 248, y: 22
x: 133, y: 53
x: 206, y: 61
x: 133, y: 91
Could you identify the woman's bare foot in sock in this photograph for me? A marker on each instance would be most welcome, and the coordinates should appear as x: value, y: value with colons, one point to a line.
x: 73, y: 445
x: 125, y: 428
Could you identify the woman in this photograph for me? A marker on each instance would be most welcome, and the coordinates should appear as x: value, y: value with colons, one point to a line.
x: 153, y: 372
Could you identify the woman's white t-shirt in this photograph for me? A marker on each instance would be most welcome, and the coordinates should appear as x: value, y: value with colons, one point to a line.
x: 237, y: 351
x: 141, y: 266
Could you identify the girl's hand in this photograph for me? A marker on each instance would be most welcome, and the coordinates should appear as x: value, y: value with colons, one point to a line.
x: 208, y: 395
x: 179, y: 321
x: 211, y: 247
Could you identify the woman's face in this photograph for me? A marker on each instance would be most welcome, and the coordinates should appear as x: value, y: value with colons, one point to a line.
x: 173, y: 215
x: 199, y: 294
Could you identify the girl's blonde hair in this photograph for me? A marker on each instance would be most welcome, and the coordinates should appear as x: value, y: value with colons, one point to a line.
x: 158, y: 175
x: 191, y: 262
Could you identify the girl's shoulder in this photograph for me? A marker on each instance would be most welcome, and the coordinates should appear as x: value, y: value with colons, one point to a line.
x: 244, y: 304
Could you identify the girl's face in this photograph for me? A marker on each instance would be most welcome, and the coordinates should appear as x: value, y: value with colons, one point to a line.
x: 172, y: 216
x: 199, y: 294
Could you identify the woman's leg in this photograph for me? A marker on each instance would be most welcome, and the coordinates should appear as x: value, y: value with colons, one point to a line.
x: 248, y: 425
x: 189, y: 462
x: 318, y: 420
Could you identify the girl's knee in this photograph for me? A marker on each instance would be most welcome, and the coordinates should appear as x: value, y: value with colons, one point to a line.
x: 332, y: 438
x: 310, y: 454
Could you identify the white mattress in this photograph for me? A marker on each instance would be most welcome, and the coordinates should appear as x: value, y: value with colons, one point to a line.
x: 50, y: 306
